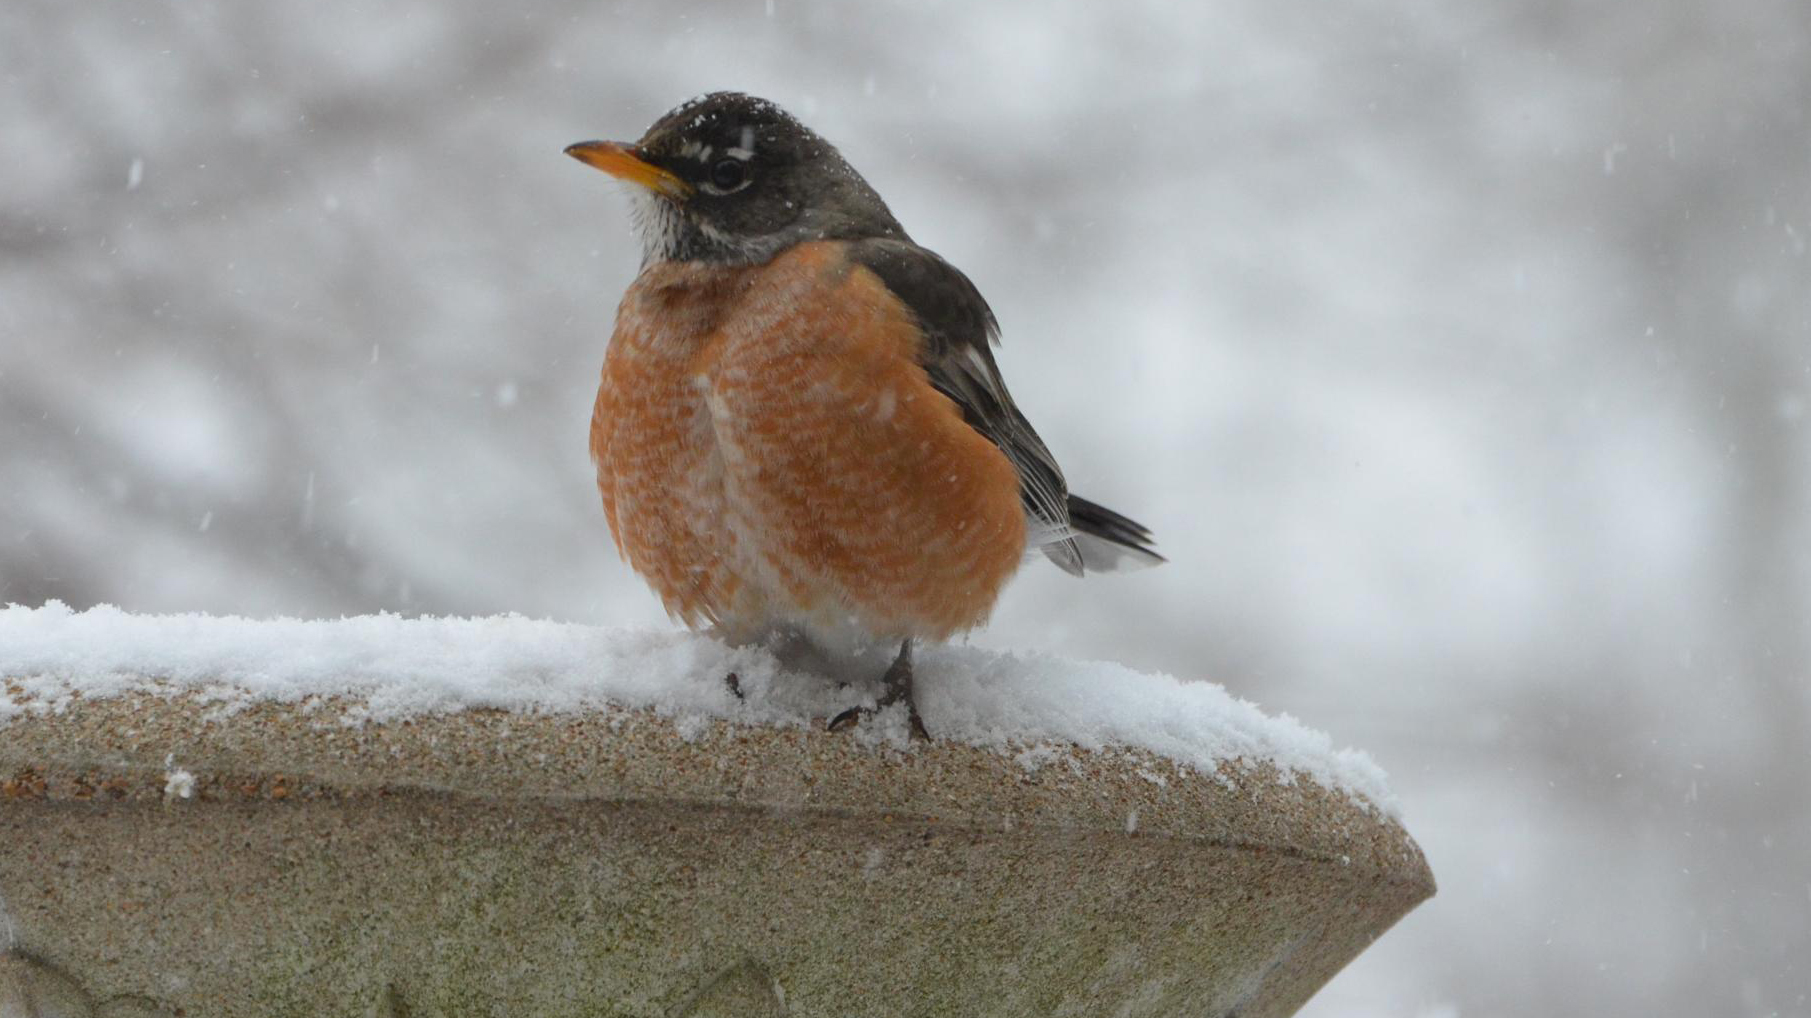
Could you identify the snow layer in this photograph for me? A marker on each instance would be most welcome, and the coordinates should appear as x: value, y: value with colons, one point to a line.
x: 392, y: 666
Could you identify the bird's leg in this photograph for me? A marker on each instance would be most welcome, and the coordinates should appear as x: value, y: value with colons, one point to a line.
x: 898, y: 682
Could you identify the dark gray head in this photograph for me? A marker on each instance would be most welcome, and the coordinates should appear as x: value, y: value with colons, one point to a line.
x: 731, y: 178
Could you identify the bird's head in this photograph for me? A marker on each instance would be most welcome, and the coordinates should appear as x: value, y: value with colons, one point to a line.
x: 731, y: 178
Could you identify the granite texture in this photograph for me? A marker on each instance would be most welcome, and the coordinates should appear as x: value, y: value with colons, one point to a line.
x: 161, y: 856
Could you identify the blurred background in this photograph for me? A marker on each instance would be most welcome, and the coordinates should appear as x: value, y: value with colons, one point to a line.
x: 1459, y: 354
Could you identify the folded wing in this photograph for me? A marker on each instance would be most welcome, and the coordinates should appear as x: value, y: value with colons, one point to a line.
x: 959, y: 328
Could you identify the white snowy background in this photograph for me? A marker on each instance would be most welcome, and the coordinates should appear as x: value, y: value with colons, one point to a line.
x: 1459, y: 354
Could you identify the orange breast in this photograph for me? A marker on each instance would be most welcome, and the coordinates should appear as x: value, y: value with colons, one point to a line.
x: 770, y: 453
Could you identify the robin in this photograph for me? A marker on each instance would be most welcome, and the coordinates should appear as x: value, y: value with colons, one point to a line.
x: 801, y: 430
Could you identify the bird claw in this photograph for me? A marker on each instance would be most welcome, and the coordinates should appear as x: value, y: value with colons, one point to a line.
x: 898, y: 682
x: 853, y: 716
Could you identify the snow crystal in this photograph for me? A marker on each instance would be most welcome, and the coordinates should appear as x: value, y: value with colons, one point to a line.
x: 1033, y: 758
x: 178, y: 783
x: 1022, y: 705
x: 1609, y: 157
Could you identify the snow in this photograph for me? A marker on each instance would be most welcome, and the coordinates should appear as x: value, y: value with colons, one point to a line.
x: 1019, y: 704
x: 179, y: 783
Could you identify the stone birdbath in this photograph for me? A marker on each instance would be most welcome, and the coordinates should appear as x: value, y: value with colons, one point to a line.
x: 381, y: 816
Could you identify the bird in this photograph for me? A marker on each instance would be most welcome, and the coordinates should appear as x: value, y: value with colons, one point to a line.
x: 801, y: 433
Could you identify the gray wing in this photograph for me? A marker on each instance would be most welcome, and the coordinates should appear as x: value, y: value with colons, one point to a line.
x: 959, y: 328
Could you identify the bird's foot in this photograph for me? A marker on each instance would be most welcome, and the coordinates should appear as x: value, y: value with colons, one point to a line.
x: 898, y: 682
x: 853, y: 716
x: 734, y: 682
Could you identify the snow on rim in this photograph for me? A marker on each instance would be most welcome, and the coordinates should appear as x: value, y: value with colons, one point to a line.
x: 399, y: 667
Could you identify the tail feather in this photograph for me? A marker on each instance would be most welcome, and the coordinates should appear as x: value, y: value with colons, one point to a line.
x: 1104, y: 541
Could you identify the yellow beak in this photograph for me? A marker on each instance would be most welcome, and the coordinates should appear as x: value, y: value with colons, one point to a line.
x: 622, y: 162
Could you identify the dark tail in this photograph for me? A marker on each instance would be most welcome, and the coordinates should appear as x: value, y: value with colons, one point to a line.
x: 1108, y: 541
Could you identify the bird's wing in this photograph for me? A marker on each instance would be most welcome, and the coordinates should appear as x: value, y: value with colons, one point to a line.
x: 958, y: 327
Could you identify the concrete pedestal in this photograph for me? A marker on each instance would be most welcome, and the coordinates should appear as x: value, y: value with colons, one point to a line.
x: 159, y: 859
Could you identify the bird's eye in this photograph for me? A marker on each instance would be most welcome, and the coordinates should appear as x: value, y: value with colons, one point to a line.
x: 728, y: 174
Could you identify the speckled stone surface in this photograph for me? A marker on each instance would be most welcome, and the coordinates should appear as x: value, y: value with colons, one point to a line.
x: 610, y: 864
